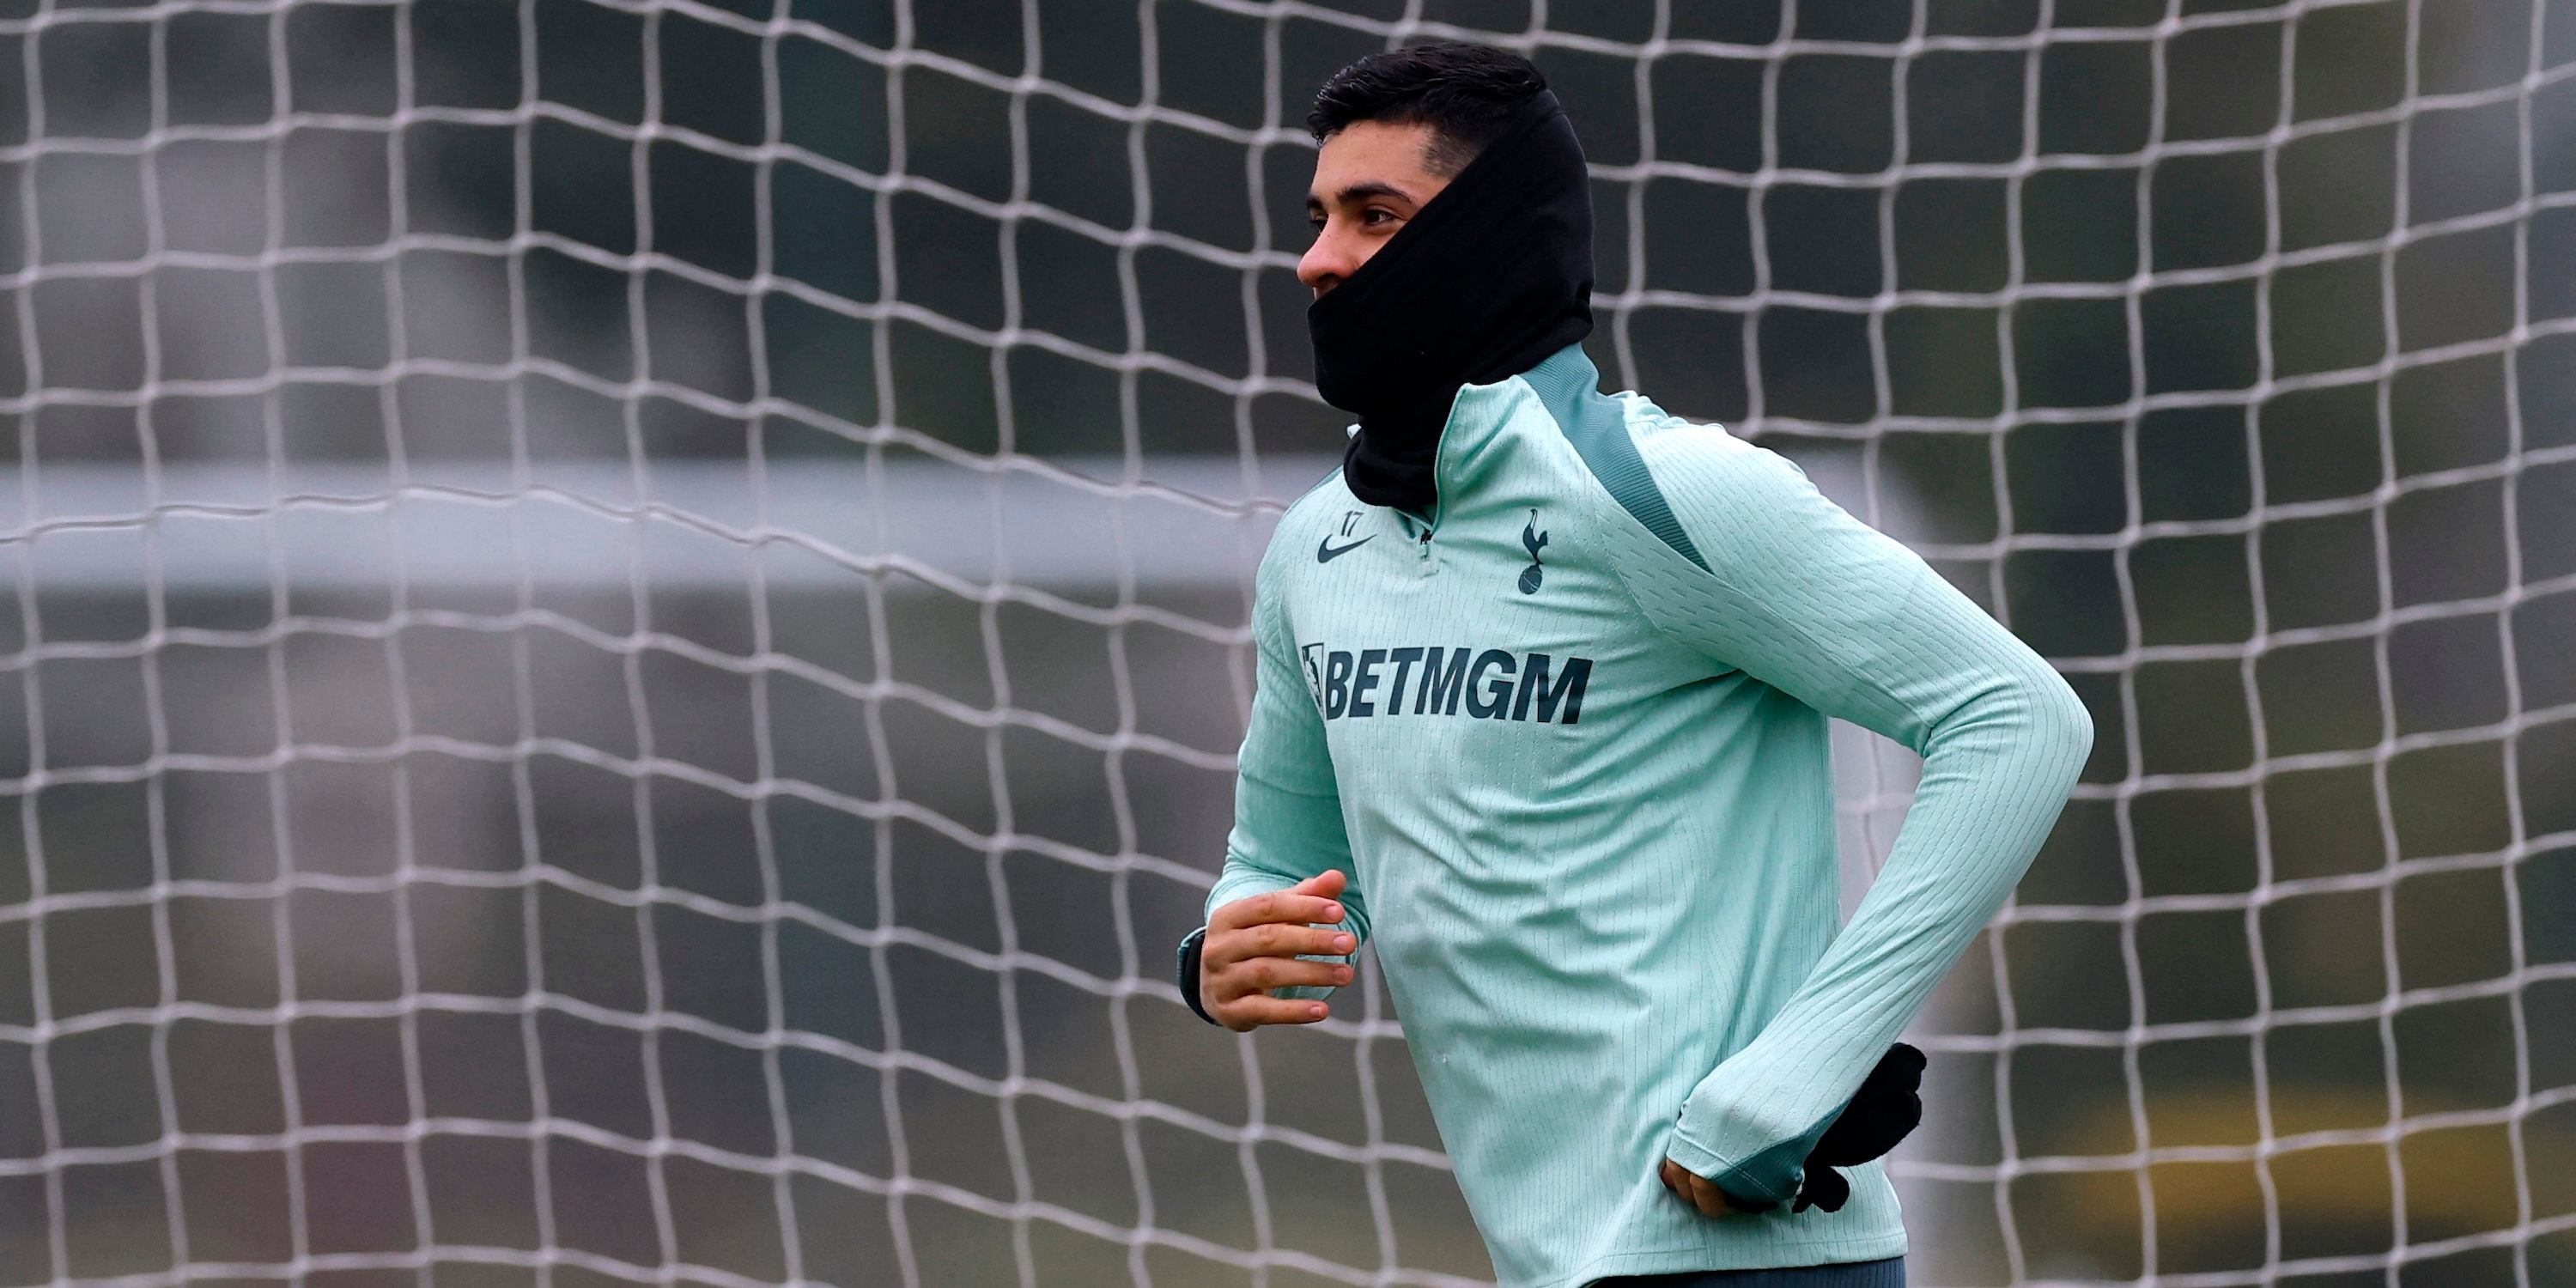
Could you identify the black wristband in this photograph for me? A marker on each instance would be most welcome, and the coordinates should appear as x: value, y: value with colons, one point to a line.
x: 1186, y: 972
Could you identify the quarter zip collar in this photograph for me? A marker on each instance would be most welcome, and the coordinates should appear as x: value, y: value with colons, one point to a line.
x: 1561, y: 381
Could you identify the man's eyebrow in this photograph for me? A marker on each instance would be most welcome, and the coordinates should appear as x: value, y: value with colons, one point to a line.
x: 1358, y: 192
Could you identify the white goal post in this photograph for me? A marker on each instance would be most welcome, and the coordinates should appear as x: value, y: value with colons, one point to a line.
x: 626, y: 618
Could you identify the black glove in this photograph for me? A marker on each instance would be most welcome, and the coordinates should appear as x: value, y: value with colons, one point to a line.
x: 1881, y: 1113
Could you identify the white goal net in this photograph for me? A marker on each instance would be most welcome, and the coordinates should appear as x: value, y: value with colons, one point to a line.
x: 628, y: 619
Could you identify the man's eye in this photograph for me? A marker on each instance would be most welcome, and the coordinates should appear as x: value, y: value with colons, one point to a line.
x: 1378, y: 217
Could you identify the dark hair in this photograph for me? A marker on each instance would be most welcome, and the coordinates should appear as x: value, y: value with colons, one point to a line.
x: 1465, y: 93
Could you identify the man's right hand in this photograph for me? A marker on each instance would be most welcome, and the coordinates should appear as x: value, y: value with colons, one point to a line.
x: 1254, y: 944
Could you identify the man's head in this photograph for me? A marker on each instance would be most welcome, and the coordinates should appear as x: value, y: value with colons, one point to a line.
x: 1394, y: 129
x: 1453, y: 247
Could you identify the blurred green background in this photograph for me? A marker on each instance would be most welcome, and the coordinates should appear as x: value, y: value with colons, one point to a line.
x: 628, y: 618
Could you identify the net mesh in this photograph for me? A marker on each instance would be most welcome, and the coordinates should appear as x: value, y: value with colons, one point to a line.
x: 629, y: 619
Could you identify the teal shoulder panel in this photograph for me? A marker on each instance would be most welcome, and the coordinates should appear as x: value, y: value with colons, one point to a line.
x: 1570, y: 388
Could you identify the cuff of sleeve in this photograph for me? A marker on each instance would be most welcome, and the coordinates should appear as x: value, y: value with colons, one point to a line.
x: 1757, y: 1183
x: 1186, y: 972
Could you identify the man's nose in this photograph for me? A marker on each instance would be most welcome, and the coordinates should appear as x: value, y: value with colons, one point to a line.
x: 1327, y: 262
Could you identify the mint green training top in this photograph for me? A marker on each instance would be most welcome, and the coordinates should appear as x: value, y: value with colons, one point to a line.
x: 1569, y: 741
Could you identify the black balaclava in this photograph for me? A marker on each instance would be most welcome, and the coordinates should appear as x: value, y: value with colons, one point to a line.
x: 1490, y: 277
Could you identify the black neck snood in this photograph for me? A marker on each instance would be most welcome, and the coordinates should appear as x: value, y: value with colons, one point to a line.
x: 1491, y: 276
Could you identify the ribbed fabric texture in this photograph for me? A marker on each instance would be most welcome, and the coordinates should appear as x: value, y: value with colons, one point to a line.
x: 1607, y: 911
x: 1850, y: 1274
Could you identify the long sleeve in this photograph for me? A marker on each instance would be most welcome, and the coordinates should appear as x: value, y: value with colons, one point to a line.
x: 1803, y: 597
x: 1287, y: 811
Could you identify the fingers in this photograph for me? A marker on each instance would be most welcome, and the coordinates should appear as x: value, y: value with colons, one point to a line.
x: 1696, y: 1190
x: 1239, y: 995
x: 1274, y: 939
x: 1262, y: 942
x: 1262, y: 974
x: 1253, y: 1010
x: 1704, y: 1195
x: 1291, y: 905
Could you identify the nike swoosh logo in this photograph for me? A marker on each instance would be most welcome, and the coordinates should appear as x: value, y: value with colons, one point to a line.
x: 1326, y: 551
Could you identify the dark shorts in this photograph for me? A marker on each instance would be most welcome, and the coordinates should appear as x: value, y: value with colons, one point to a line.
x: 1850, y: 1274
